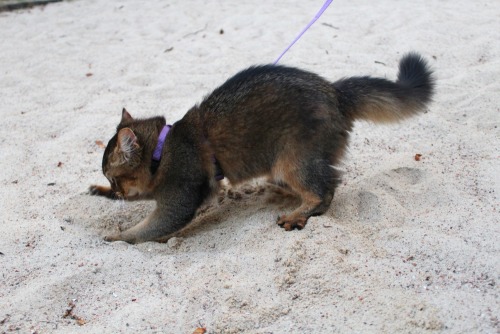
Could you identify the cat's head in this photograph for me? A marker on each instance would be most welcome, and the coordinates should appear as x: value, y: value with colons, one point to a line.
x: 125, y: 163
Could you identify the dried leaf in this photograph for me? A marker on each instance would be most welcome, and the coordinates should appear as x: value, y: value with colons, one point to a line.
x: 69, y: 314
x: 200, y: 330
x: 418, y: 156
x: 100, y: 144
x: 68, y: 311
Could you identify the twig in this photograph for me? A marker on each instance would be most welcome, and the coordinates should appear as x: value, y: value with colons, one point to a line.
x: 196, y: 32
x: 331, y: 26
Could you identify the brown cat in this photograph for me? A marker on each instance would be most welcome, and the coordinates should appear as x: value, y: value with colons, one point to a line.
x: 281, y: 122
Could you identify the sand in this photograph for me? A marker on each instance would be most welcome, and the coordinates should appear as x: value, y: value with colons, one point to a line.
x: 407, y: 246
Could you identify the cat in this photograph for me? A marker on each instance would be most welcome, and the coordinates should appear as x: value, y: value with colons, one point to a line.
x: 281, y: 122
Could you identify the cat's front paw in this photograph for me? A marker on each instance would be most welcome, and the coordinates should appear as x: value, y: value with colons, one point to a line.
x: 120, y: 237
x: 96, y: 190
x: 111, y: 238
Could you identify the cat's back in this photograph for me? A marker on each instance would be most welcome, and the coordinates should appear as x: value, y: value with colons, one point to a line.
x: 261, y: 84
x: 268, y: 73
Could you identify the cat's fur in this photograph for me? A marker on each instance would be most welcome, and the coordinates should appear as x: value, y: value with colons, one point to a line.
x: 281, y: 122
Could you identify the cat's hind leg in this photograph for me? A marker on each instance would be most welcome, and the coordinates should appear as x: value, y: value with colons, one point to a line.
x: 314, y: 180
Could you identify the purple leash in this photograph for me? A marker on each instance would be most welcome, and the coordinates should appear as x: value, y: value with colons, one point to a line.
x: 325, y: 6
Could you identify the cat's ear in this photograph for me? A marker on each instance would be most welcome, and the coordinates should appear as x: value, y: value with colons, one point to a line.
x: 126, y: 117
x: 127, y: 145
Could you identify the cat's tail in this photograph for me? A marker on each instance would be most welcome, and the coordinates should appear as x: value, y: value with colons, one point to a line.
x: 381, y: 100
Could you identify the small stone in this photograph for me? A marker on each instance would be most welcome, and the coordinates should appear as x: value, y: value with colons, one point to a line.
x: 174, y: 242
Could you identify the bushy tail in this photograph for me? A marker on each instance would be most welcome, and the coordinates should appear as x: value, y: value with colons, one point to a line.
x: 381, y: 100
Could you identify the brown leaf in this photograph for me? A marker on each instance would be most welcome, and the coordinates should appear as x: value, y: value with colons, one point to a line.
x: 59, y: 164
x: 100, y: 144
x: 89, y: 74
x: 68, y: 311
x: 418, y: 156
x: 200, y: 330
x: 69, y: 314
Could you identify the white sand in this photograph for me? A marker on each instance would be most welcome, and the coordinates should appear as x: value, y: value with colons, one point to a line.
x: 407, y: 246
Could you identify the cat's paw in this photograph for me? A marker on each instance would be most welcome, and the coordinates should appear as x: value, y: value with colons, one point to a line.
x: 114, y: 237
x: 128, y: 238
x: 96, y: 190
x: 291, y: 223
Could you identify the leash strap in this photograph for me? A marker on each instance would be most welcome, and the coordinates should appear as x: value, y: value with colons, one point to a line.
x: 325, y: 6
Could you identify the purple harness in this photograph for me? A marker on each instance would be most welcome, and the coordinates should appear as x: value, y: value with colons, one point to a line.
x: 161, y: 141
x: 219, y: 175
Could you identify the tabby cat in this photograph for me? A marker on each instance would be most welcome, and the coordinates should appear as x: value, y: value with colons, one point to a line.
x: 276, y: 121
